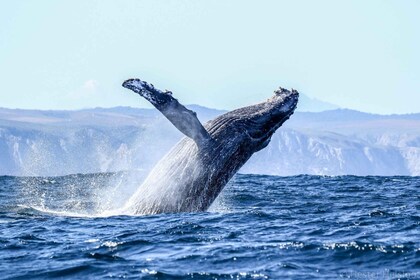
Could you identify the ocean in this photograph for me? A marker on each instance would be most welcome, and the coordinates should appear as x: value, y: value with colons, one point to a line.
x: 260, y: 227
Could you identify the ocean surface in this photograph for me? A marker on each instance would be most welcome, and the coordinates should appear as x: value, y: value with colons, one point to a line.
x: 261, y: 227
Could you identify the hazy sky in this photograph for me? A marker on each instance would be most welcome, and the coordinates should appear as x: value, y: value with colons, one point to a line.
x: 64, y: 54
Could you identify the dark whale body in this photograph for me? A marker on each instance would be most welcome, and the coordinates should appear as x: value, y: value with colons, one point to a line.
x: 192, y: 174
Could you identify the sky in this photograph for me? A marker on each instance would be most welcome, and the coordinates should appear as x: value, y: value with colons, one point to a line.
x: 362, y: 55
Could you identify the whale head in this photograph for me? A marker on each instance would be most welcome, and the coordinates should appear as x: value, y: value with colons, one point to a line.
x: 268, y: 116
x: 257, y: 123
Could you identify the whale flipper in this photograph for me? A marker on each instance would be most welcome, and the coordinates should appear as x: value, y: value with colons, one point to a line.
x: 182, y: 118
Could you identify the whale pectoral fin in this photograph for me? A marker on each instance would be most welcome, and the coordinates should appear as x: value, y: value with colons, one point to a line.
x: 182, y: 118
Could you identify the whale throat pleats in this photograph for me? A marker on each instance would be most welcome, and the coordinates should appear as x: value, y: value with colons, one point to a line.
x: 183, y: 119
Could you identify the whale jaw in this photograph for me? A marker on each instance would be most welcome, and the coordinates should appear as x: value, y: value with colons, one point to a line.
x: 260, y: 121
x: 279, y: 109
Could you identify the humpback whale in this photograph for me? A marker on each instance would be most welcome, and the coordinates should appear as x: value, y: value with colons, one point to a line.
x: 191, y: 175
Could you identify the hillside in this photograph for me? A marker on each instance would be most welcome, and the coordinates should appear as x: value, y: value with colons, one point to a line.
x: 336, y: 142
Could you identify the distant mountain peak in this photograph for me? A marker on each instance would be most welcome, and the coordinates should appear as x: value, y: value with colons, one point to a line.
x: 308, y: 104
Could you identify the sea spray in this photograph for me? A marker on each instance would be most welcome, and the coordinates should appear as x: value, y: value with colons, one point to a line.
x: 163, y: 186
x: 90, y: 195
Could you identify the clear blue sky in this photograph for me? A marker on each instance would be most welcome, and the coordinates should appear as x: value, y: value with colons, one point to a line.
x: 64, y: 54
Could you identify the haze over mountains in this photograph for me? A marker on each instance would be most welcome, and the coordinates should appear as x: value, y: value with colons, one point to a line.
x: 333, y: 142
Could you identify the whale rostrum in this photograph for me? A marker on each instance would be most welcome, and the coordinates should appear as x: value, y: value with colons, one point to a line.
x: 193, y: 173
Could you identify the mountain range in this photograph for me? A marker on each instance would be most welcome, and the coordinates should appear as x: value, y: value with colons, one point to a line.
x: 333, y: 142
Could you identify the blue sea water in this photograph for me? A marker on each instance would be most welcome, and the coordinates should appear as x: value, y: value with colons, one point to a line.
x: 261, y: 227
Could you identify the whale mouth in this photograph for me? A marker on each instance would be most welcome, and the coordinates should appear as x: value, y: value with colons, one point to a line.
x: 273, y: 113
x: 286, y: 99
x: 281, y: 106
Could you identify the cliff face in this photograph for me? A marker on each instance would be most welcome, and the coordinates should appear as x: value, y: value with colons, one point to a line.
x: 99, y: 140
x: 294, y: 152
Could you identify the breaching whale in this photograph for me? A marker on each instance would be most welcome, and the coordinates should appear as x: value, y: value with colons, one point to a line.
x: 193, y: 173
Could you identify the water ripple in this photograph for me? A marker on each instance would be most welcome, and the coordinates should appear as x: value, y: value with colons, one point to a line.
x: 261, y: 227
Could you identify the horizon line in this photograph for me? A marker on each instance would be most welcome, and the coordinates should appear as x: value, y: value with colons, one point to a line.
x: 205, y: 107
